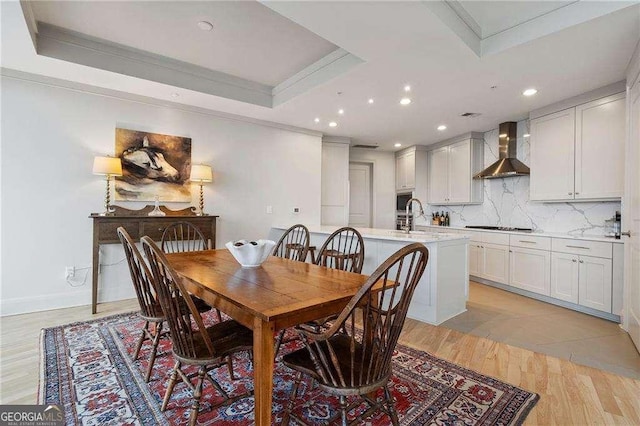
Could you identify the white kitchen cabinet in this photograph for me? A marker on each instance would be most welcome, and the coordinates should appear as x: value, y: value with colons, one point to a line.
x: 552, y: 156
x: 451, y: 170
x: 578, y: 153
x: 406, y: 170
x: 475, y: 254
x: 594, y: 283
x: 564, y: 277
x: 584, y: 280
x: 495, y: 262
x: 600, y: 136
x: 530, y: 270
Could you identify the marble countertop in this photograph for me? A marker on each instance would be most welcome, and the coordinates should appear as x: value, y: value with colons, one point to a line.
x: 389, y: 234
x: 534, y: 233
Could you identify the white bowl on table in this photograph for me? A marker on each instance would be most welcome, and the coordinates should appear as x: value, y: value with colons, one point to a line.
x: 250, y: 254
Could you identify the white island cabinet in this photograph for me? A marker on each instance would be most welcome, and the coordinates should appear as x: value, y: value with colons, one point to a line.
x: 444, y: 287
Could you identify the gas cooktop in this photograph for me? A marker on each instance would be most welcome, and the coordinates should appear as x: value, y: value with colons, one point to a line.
x: 499, y: 228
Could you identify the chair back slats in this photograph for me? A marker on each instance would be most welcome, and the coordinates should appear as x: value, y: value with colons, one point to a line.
x: 294, y: 244
x: 182, y: 237
x: 140, y: 276
x: 366, y: 355
x: 173, y: 299
x: 344, y: 250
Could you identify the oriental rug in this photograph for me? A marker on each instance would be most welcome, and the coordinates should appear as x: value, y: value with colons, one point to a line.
x: 87, y: 368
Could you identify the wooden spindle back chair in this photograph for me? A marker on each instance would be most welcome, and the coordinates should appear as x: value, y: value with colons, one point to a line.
x: 181, y: 237
x: 207, y: 347
x: 294, y: 244
x: 344, y: 250
x: 347, y: 361
x: 150, y: 310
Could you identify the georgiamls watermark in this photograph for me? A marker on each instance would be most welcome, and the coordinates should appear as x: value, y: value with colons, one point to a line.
x: 31, y: 415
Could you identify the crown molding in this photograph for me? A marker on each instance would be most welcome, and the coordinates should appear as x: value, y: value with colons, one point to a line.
x: 130, y: 97
x: 336, y: 139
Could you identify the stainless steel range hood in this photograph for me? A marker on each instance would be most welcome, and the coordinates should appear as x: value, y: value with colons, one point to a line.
x: 507, y: 165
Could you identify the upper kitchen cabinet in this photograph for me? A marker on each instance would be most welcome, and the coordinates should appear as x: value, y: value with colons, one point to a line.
x: 411, y: 171
x: 577, y: 153
x: 451, y: 170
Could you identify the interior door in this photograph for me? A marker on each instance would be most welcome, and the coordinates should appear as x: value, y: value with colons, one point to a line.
x: 360, y: 195
x: 631, y: 215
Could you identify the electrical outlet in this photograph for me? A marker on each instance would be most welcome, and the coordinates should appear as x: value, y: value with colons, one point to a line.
x: 70, y: 272
x: 269, y: 209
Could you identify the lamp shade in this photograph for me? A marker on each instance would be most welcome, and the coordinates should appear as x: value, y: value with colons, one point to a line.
x: 107, y: 166
x: 201, y: 173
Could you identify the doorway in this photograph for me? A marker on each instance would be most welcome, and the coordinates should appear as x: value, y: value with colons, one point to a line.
x: 360, y: 194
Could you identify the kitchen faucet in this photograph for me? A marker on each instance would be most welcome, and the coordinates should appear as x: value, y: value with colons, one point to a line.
x: 407, y: 227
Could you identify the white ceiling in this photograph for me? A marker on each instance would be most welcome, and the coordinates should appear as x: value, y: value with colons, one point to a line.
x: 400, y: 43
x: 497, y: 16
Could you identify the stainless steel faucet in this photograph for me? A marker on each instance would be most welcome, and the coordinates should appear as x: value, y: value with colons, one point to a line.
x: 407, y: 227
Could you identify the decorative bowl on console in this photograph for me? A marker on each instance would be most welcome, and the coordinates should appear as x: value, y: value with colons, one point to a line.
x: 250, y: 254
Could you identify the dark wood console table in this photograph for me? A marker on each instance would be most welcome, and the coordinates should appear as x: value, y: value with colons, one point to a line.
x: 138, y: 224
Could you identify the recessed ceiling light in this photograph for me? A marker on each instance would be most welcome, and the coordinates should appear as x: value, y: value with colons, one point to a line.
x: 526, y: 135
x: 407, y: 88
x: 397, y: 145
x: 317, y: 120
x: 405, y: 101
x: 333, y: 124
x: 502, y: 135
x: 340, y: 111
x: 205, y: 25
x: 530, y: 92
x: 370, y: 100
x: 442, y: 127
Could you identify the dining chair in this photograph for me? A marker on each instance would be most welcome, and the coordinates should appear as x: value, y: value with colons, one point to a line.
x: 150, y: 310
x: 344, y: 250
x: 347, y: 361
x: 180, y: 237
x: 294, y: 244
x: 192, y: 343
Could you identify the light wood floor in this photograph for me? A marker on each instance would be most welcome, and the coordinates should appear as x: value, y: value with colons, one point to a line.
x: 570, y: 394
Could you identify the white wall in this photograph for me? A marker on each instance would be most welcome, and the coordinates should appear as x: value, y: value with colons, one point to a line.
x: 384, y: 184
x: 49, y: 138
x: 335, y: 183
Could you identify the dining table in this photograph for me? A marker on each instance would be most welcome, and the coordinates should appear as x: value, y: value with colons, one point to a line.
x: 278, y: 294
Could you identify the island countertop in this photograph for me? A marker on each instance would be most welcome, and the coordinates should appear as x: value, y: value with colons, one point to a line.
x: 389, y: 234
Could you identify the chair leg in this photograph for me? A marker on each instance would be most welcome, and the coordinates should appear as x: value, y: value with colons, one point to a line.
x: 170, y: 385
x: 343, y: 410
x: 230, y: 367
x: 196, y: 396
x: 216, y: 311
x: 391, y: 407
x: 142, y: 338
x: 292, y: 398
x: 154, y: 351
x: 278, y: 343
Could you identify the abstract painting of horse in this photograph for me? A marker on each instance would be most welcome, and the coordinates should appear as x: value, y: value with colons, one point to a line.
x: 153, y: 165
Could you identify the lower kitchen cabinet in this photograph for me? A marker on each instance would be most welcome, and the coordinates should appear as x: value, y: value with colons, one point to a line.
x: 584, y: 280
x: 530, y: 270
x: 489, y: 261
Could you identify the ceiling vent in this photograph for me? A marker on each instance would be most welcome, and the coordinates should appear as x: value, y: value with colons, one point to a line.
x: 366, y: 146
x: 470, y: 114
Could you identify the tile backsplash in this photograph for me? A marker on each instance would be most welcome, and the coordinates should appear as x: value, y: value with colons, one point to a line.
x: 506, y: 201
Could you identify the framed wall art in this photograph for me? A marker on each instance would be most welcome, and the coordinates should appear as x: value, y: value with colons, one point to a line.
x: 153, y: 165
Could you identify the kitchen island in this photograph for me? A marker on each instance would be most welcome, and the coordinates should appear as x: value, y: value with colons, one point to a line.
x: 444, y: 287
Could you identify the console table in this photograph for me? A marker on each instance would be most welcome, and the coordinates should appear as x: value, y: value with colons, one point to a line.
x: 138, y: 224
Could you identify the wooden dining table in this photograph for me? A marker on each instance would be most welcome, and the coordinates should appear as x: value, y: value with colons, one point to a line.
x: 278, y: 294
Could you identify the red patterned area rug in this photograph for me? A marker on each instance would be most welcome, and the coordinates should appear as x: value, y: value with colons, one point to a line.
x: 87, y: 367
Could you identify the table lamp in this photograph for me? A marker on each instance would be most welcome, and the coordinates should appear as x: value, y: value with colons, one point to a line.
x: 107, y: 166
x: 201, y: 174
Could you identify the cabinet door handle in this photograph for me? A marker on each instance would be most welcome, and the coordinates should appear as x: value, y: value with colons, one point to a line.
x: 573, y: 260
x: 582, y: 261
x: 510, y: 251
x: 579, y: 247
x: 570, y: 193
x: 628, y: 234
x: 528, y: 242
x: 577, y: 193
